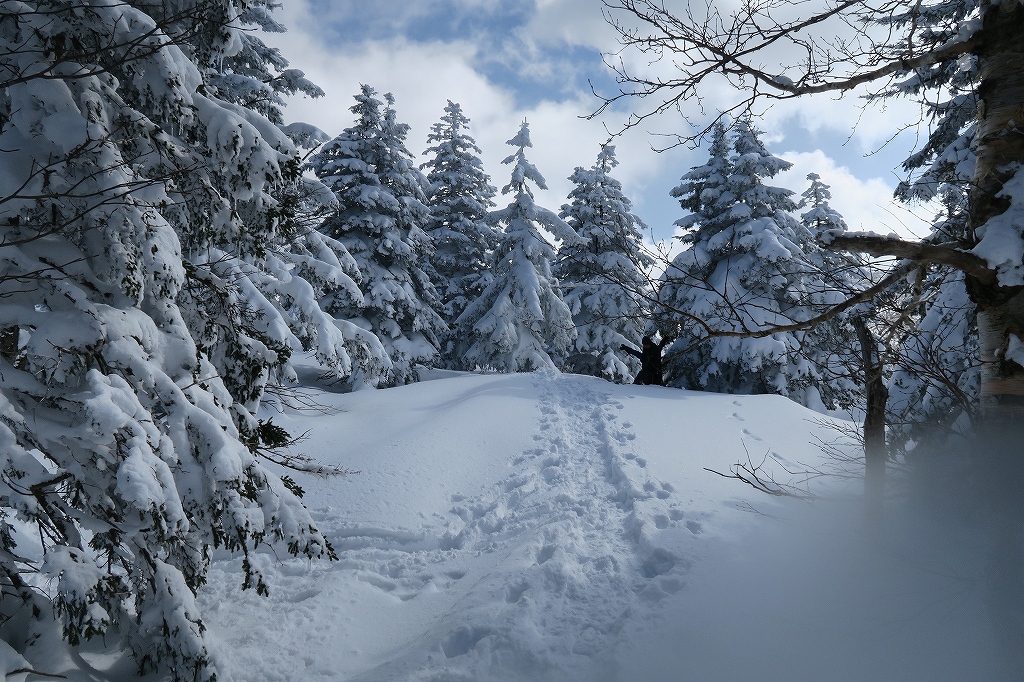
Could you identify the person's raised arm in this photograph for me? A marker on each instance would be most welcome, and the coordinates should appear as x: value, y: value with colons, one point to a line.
x: 635, y: 353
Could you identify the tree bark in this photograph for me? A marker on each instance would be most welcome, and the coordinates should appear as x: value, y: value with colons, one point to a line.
x: 9, y: 342
x: 999, y: 147
x: 874, y: 420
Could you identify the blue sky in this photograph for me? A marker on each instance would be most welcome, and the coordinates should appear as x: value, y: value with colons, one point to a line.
x: 509, y: 61
x: 507, y: 51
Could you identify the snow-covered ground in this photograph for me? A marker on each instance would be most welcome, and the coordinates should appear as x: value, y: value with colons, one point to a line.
x: 558, y: 527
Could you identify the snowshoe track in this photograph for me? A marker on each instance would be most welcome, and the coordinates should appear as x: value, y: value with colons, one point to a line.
x: 571, y: 534
x: 566, y: 545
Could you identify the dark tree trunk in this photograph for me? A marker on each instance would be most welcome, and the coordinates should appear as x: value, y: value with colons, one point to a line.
x: 9, y: 337
x: 874, y: 419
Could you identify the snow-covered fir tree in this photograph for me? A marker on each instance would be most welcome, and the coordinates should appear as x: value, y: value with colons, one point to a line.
x: 126, y: 456
x: 295, y: 267
x: 833, y: 345
x: 520, y: 322
x: 379, y: 220
x: 935, y: 386
x: 459, y: 197
x: 935, y: 381
x: 235, y: 181
x: 820, y: 218
x: 746, y: 270
x: 250, y: 73
x: 603, y: 276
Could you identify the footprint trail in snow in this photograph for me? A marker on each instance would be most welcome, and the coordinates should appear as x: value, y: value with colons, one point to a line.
x: 542, y: 569
x: 569, y: 535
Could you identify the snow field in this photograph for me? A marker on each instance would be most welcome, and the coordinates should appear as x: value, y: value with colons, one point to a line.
x: 503, y: 527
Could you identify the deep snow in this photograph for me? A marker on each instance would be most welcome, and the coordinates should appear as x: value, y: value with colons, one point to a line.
x: 559, y: 527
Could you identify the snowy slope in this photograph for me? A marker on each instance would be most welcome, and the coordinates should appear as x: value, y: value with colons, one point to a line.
x: 506, y: 527
x: 562, y: 528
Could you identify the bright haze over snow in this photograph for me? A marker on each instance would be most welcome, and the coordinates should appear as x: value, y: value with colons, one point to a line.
x: 509, y: 61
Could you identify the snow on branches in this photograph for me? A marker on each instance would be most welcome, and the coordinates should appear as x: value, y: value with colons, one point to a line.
x: 520, y: 321
x: 131, y: 181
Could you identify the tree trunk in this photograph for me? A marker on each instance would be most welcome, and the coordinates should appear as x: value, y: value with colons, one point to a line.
x: 9, y: 337
x: 874, y: 420
x: 999, y: 147
x: 1002, y: 380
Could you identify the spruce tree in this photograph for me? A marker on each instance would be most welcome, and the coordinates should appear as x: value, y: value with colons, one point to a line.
x: 234, y: 176
x: 603, y: 275
x: 379, y: 220
x: 125, y: 451
x: 746, y: 269
x: 832, y: 345
x: 252, y: 74
x: 935, y: 385
x: 459, y: 197
x: 520, y: 322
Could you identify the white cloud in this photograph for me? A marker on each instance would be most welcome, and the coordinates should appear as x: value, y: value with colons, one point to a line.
x: 423, y: 76
x: 865, y: 204
x: 572, y: 22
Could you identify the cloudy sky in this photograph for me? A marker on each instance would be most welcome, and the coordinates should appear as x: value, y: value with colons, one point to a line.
x: 509, y: 60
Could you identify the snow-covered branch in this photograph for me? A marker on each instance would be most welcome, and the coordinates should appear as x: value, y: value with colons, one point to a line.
x: 921, y: 252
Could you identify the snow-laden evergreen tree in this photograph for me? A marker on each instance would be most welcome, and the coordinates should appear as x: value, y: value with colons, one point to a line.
x: 459, y: 196
x: 833, y: 346
x: 295, y: 267
x: 603, y: 276
x: 820, y: 218
x: 252, y: 74
x: 379, y: 220
x: 234, y: 177
x: 126, y: 457
x: 705, y: 191
x: 935, y: 387
x: 520, y: 321
x: 746, y: 270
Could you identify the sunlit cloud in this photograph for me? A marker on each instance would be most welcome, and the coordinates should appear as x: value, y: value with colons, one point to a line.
x: 533, y: 62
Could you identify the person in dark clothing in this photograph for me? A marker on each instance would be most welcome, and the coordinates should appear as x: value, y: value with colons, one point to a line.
x: 650, y: 361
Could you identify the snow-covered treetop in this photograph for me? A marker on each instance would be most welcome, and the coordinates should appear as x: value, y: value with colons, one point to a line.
x: 523, y: 169
x: 449, y: 136
x: 823, y: 220
x: 457, y: 181
x: 522, y: 138
x: 751, y: 164
x: 601, y: 214
x: 704, y: 190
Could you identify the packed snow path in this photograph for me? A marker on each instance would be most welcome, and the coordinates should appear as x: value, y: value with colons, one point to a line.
x: 563, y: 542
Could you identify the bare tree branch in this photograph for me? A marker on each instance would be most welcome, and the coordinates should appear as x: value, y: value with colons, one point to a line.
x: 921, y: 252
x: 753, y: 49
